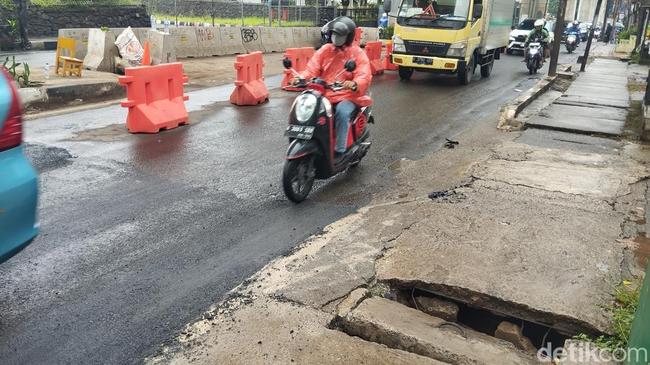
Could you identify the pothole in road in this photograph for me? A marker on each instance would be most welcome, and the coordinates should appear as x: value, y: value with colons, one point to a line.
x: 110, y: 133
x: 45, y: 158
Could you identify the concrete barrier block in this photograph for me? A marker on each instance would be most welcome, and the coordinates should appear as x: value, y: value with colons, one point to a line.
x: 269, y: 40
x: 161, y: 47
x: 285, y: 38
x: 101, y: 51
x: 231, y: 41
x: 185, y: 42
x: 300, y: 37
x: 369, y: 35
x: 252, y: 39
x: 209, y: 41
x: 314, y: 37
x: 80, y: 35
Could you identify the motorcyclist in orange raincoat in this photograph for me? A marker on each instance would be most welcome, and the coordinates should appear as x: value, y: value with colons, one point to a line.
x: 327, y: 64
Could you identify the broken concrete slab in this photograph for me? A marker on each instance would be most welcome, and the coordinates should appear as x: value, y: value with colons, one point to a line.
x: 602, y: 176
x: 329, y: 266
x: 271, y: 332
x: 351, y: 301
x: 400, y: 327
x: 597, y: 119
x: 541, y: 243
x: 509, y: 259
x: 579, y: 143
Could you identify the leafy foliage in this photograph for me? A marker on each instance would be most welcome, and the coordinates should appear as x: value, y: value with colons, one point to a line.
x: 21, y: 79
x: 623, y: 309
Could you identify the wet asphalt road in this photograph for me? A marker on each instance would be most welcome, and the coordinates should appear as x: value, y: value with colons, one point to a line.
x: 142, y: 233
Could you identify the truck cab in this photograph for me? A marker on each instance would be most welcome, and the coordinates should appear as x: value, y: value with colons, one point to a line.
x: 450, y: 36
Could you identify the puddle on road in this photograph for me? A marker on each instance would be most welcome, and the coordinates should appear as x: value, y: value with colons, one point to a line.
x: 110, y: 133
x: 642, y: 251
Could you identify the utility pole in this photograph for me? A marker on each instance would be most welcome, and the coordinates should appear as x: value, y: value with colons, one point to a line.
x: 604, y: 27
x: 559, y: 29
x: 591, y: 36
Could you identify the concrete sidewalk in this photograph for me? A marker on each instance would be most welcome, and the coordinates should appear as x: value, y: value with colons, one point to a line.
x: 483, y: 254
x: 596, y: 102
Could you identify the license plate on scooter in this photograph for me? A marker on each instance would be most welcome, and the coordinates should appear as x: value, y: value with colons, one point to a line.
x: 300, y: 131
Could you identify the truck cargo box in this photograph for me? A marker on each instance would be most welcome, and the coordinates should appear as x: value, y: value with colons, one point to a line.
x: 497, y: 16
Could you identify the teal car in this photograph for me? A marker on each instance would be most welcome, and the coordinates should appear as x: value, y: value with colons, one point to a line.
x: 18, y: 179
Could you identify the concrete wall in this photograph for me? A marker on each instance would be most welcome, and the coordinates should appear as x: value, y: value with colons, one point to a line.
x: 222, y: 9
x: 47, y: 21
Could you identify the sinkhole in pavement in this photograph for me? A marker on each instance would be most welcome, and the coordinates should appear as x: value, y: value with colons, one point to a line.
x: 479, y: 319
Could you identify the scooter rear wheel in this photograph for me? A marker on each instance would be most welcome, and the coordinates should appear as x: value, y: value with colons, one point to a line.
x: 298, y: 178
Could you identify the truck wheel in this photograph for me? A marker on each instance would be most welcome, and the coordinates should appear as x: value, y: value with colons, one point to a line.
x: 405, y: 73
x: 486, y: 70
x: 465, y: 73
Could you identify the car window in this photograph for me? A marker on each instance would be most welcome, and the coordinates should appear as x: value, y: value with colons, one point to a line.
x: 5, y: 99
x: 527, y: 24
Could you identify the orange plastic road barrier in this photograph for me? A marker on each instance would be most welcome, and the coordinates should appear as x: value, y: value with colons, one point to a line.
x: 146, y: 56
x: 249, y: 83
x: 388, y: 62
x: 373, y: 50
x: 357, y: 36
x: 154, y: 96
x: 299, y: 58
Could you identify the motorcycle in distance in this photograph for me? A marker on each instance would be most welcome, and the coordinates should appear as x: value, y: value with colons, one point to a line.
x: 534, y: 56
x: 311, y: 135
x: 571, y: 42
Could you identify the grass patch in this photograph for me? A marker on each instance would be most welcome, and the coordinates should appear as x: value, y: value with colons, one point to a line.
x: 249, y: 21
x: 626, y: 300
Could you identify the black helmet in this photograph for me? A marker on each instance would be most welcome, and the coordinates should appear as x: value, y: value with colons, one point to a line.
x: 342, y: 31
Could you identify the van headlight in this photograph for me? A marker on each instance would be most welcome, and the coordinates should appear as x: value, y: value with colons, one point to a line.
x: 304, y: 106
x: 457, y: 50
x: 398, y: 44
x: 512, y: 39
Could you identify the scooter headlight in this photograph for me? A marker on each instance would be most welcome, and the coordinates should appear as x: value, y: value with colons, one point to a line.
x: 304, y: 106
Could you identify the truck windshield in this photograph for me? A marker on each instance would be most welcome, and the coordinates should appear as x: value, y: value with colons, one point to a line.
x: 434, y: 13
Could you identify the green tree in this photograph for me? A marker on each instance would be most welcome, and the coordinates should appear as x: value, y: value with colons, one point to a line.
x: 552, y: 6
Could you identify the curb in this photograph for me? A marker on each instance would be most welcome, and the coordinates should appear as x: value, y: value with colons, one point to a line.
x: 508, y: 119
x: 36, y: 98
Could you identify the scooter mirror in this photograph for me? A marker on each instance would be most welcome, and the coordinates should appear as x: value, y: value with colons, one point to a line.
x: 350, y: 65
x: 286, y: 63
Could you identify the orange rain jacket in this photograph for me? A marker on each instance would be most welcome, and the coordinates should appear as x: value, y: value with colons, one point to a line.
x: 329, y: 60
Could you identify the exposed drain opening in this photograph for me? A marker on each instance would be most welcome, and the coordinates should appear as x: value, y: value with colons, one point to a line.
x: 484, y: 321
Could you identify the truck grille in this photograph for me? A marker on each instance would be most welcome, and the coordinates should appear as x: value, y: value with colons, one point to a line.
x: 426, y: 48
x: 520, y: 38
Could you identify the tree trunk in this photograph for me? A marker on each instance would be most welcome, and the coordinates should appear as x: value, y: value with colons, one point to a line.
x: 23, y: 21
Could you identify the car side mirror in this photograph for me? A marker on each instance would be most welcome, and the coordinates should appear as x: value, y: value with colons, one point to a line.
x: 387, y: 4
x: 478, y: 11
x: 287, y: 63
x: 350, y: 65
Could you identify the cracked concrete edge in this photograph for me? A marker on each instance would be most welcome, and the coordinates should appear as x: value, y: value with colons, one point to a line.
x: 508, y: 119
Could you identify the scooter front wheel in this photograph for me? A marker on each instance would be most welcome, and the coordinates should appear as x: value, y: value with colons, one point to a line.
x: 298, y: 178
